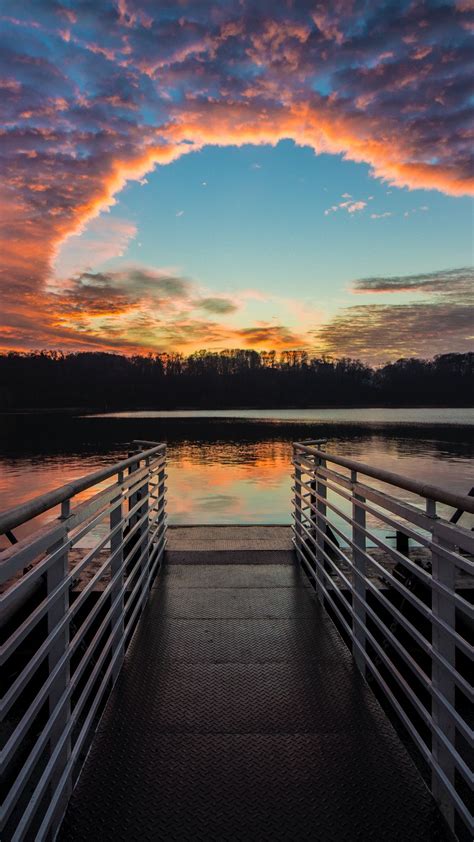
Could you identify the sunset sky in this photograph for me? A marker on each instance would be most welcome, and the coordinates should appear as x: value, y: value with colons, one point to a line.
x: 269, y: 175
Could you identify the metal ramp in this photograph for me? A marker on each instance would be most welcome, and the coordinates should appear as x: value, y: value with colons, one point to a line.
x: 240, y: 714
x: 232, y: 708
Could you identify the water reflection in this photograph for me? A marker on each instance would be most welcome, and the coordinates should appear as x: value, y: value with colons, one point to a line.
x: 221, y: 471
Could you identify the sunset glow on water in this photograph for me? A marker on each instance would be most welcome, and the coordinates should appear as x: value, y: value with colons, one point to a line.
x: 236, y: 469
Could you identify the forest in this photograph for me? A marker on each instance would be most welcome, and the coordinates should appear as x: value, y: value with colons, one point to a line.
x: 228, y: 379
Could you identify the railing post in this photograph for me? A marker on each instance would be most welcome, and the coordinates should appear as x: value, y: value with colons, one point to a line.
x: 133, y: 499
x: 161, y: 487
x: 161, y: 496
x: 144, y: 540
x: 313, y: 503
x: 298, y: 501
x: 442, y: 606
x: 116, y: 566
x: 360, y: 595
x: 321, y: 512
x: 55, y: 575
x: 133, y: 542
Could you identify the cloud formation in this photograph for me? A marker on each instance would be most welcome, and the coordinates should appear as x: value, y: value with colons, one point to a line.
x: 270, y: 336
x: 95, y: 95
x: 220, y: 306
x: 383, y: 332
x: 442, y: 320
x: 447, y: 282
x: 137, y: 308
x: 350, y: 205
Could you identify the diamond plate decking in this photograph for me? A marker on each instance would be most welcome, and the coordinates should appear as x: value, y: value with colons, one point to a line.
x: 239, y: 714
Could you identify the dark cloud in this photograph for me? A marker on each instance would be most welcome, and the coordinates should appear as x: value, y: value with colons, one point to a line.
x: 93, y: 293
x: 441, y: 321
x: 448, y: 282
x: 381, y: 332
x: 273, y: 336
x: 220, y: 306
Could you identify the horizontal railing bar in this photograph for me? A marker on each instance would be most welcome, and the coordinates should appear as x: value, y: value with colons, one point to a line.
x: 32, y: 508
x: 36, y: 615
x: 155, y: 565
x: 81, y: 737
x: 425, y: 715
x: 411, y: 728
x: 431, y: 582
x: 410, y: 512
x: 33, y: 664
x: 425, y: 523
x: 123, y: 597
x: 19, y: 555
x: 399, y: 617
x: 156, y: 549
x: 23, y: 776
x: 456, y: 534
x: 432, y: 492
x: 119, y: 489
x: 115, y: 499
x: 21, y: 585
x: 456, y: 798
x: 17, y: 560
x: 145, y: 441
x: 419, y: 672
x: 27, y: 718
x: 43, y: 782
x: 399, y: 586
x: 77, y: 639
x: 399, y: 558
x: 63, y: 781
x: 368, y: 558
x: 341, y: 571
x: 111, y: 533
x: 319, y: 470
x: 362, y: 491
x: 159, y: 523
x: 349, y: 584
x: 459, y: 803
x: 84, y: 661
x: 400, y: 507
x: 16, y: 637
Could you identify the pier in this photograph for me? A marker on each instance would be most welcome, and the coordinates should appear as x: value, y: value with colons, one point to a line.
x: 239, y: 682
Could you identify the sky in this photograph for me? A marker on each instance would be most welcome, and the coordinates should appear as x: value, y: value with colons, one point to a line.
x: 272, y: 175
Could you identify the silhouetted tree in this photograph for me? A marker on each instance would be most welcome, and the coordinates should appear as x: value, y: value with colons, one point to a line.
x: 230, y: 378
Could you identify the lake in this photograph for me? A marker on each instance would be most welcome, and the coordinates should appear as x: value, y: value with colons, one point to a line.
x: 232, y: 466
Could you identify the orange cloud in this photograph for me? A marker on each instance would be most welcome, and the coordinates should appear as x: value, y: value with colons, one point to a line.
x: 150, y: 88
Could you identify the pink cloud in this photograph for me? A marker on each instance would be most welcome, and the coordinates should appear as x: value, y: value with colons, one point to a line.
x: 92, y: 101
x: 103, y: 238
x: 350, y: 205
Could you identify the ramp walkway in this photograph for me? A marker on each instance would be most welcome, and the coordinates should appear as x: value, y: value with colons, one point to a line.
x: 239, y: 714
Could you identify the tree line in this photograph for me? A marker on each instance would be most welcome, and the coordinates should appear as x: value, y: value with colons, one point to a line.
x: 227, y: 379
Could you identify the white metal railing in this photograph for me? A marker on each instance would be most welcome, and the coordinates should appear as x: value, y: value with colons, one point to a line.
x: 408, y: 616
x: 72, y: 595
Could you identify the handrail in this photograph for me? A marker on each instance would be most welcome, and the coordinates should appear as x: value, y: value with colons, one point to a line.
x: 404, y: 611
x: 13, y: 517
x: 432, y: 492
x: 85, y: 579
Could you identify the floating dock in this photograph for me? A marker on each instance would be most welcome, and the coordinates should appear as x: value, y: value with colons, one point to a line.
x: 217, y: 683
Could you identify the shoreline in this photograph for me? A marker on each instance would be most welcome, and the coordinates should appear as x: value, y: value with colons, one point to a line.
x: 103, y: 412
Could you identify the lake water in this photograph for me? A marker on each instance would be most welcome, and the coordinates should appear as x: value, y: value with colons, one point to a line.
x: 233, y: 466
